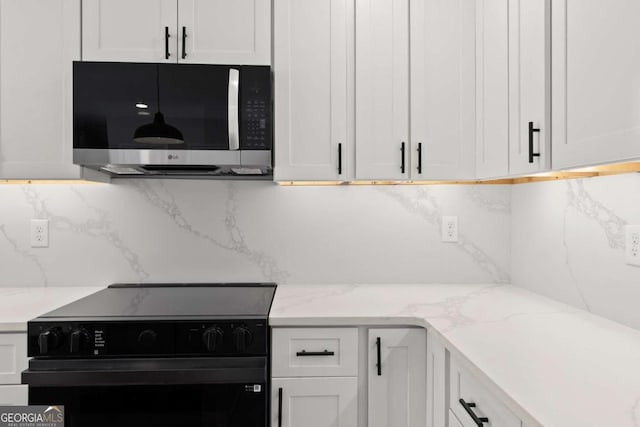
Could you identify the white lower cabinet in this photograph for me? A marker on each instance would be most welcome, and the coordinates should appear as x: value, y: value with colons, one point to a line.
x: 469, y: 399
x: 13, y: 360
x: 314, y: 402
x: 397, y: 378
x: 13, y: 357
x: 13, y: 395
x: 437, y: 402
x: 453, y: 420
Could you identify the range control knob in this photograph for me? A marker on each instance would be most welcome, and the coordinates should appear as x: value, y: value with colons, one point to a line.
x: 212, y: 338
x: 50, y: 340
x: 79, y: 341
x: 147, y: 338
x: 242, y: 338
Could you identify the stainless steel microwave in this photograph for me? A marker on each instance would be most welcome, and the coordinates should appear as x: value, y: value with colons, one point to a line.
x: 177, y: 120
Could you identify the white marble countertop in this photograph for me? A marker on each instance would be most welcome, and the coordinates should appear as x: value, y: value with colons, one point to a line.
x: 19, y: 305
x: 552, y: 364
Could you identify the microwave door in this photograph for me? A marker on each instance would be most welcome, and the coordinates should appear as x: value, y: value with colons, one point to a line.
x: 195, y: 100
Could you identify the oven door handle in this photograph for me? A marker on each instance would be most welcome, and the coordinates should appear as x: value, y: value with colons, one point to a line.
x: 131, y: 372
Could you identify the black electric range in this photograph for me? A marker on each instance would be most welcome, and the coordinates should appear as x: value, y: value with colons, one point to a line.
x: 157, y: 355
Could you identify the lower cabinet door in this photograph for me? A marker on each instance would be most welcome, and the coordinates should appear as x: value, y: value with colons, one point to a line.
x: 453, y: 420
x: 469, y: 399
x: 397, y: 378
x: 13, y: 395
x: 314, y: 402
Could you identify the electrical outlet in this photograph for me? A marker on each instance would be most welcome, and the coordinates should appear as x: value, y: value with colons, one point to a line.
x: 39, y: 233
x: 632, y: 244
x: 450, y: 229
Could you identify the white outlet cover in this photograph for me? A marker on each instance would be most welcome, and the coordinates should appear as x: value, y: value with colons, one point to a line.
x: 632, y: 244
x: 450, y: 229
x: 39, y: 233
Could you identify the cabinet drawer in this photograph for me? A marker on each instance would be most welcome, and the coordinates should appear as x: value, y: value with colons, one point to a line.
x: 466, y: 387
x: 314, y: 352
x: 13, y: 357
x: 13, y: 395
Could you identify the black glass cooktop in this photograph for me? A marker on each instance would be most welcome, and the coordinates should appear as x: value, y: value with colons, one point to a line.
x: 172, y: 300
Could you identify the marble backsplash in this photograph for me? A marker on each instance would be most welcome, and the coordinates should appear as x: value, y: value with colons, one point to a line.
x: 177, y: 230
x: 568, y: 242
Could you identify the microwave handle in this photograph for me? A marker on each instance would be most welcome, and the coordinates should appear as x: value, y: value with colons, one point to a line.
x: 234, y: 94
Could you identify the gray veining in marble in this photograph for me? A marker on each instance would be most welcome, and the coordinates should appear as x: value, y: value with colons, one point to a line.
x: 426, y: 206
x: 98, y: 226
x: 611, y: 224
x: 25, y: 254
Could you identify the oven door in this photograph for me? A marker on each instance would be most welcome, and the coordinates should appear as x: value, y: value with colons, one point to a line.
x: 220, y: 392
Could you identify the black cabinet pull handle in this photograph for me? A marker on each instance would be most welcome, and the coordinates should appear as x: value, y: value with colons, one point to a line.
x: 340, y: 159
x: 166, y: 43
x: 280, y: 407
x: 478, y: 420
x: 532, y: 130
x: 304, y: 353
x: 420, y: 157
x: 184, y: 42
x: 402, y: 150
x: 379, y: 364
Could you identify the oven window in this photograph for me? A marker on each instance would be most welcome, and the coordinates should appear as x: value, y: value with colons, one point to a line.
x: 236, y: 405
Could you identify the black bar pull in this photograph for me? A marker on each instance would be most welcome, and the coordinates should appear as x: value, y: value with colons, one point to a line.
x: 379, y: 364
x: 280, y: 407
x: 419, y: 157
x: 478, y: 420
x: 402, y: 150
x: 166, y: 43
x: 340, y: 159
x: 532, y: 130
x: 304, y: 353
x: 184, y: 42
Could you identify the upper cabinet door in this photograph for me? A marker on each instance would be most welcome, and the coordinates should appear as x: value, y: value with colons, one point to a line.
x: 529, y: 86
x: 596, y: 77
x: 492, y: 88
x: 39, y: 39
x: 313, y: 74
x: 442, y: 89
x: 382, y: 90
x: 125, y: 30
x: 224, y: 31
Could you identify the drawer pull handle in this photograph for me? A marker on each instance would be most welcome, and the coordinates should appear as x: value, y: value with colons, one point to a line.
x: 379, y: 364
x: 280, y: 407
x: 402, y: 150
x: 304, y: 353
x: 467, y: 407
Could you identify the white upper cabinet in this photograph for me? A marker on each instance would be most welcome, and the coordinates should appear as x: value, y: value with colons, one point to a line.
x: 492, y: 88
x: 513, y: 87
x: 397, y: 378
x: 382, y: 90
x: 596, y: 69
x: 224, y: 32
x: 529, y: 86
x: 125, y: 30
x: 39, y: 39
x: 442, y: 89
x: 190, y: 31
x: 313, y: 80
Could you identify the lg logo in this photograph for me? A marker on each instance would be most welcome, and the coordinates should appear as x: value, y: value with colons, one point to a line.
x: 173, y: 157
